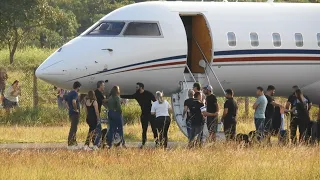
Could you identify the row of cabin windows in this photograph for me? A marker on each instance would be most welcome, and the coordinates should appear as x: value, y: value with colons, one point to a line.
x: 132, y: 29
x: 232, y: 41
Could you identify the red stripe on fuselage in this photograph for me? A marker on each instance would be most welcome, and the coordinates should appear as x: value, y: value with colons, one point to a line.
x: 270, y: 58
x: 153, y: 66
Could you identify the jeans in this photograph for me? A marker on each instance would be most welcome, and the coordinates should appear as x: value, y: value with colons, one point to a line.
x: 72, y: 139
x: 230, y: 128
x: 189, y: 129
x: 97, y: 134
x: 60, y: 103
x: 163, y: 123
x: 115, y: 126
x: 145, y: 119
x: 259, y: 123
x: 303, y: 124
x: 196, y: 132
x: 268, y: 125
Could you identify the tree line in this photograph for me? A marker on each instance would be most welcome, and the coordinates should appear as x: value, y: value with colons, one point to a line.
x: 51, y: 23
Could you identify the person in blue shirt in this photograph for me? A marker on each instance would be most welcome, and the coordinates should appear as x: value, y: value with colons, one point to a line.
x: 259, y: 115
x: 74, y: 115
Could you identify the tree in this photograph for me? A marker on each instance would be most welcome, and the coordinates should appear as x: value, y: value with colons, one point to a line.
x: 89, y: 11
x: 21, y: 17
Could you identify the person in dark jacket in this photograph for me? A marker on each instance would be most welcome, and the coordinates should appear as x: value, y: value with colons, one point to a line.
x: 144, y: 99
x: 294, y: 120
x: 301, y: 112
x: 229, y: 116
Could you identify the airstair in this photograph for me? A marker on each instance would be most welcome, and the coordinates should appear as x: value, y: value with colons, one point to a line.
x: 178, y: 98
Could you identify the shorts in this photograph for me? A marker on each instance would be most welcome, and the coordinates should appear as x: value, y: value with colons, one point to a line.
x: 9, y: 104
x: 212, y: 123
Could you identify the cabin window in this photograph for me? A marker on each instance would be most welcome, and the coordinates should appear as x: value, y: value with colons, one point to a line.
x: 318, y: 38
x: 276, y: 39
x: 142, y: 29
x: 108, y: 29
x: 254, y: 39
x: 299, y: 39
x: 232, y: 41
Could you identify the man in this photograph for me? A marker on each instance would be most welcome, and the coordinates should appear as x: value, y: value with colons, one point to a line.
x: 197, y: 111
x: 270, y: 110
x: 186, y: 111
x: 259, y: 114
x: 144, y: 99
x: 229, y: 116
x: 294, y: 121
x: 197, y: 88
x: 74, y: 115
x: 212, y: 112
x: 99, y: 94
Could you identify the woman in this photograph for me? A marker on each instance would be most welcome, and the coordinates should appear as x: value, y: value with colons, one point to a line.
x: 115, y: 116
x: 93, y: 120
x: 161, y: 108
x: 11, y: 96
x: 301, y: 110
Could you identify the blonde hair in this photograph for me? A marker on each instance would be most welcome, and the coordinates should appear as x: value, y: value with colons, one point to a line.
x: 159, y: 96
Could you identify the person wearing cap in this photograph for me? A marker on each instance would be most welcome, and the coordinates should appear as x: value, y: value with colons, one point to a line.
x: 294, y: 120
x: 229, y: 116
x: 212, y: 112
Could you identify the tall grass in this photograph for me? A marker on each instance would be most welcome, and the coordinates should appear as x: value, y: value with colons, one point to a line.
x: 218, y: 162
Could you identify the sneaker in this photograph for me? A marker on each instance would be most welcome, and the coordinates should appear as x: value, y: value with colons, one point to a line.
x: 95, y: 148
x: 87, y: 148
x: 124, y: 146
x: 73, y: 147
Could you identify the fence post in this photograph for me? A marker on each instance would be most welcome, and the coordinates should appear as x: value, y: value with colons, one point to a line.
x: 35, y: 89
x: 246, y: 106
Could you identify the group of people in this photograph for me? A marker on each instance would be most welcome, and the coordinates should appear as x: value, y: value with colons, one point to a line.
x: 202, y: 108
x: 156, y: 113
x: 298, y: 105
x: 199, y: 109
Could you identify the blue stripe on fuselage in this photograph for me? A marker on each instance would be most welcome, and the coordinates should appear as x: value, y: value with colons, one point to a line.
x: 132, y: 65
x: 266, y: 51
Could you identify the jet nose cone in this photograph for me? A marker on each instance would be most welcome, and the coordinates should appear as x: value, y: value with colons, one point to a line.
x: 39, y: 73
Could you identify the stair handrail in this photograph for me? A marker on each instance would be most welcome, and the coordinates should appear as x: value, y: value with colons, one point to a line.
x: 206, y: 60
x: 194, y: 79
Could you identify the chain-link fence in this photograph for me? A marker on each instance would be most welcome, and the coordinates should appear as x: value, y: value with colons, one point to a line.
x: 34, y: 92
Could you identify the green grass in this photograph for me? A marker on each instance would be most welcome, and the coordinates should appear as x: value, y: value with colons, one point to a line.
x: 28, y: 56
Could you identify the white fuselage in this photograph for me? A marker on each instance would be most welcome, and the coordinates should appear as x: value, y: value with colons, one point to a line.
x: 159, y: 62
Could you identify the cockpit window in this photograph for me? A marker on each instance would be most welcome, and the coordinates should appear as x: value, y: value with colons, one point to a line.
x: 142, y: 29
x: 108, y: 29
